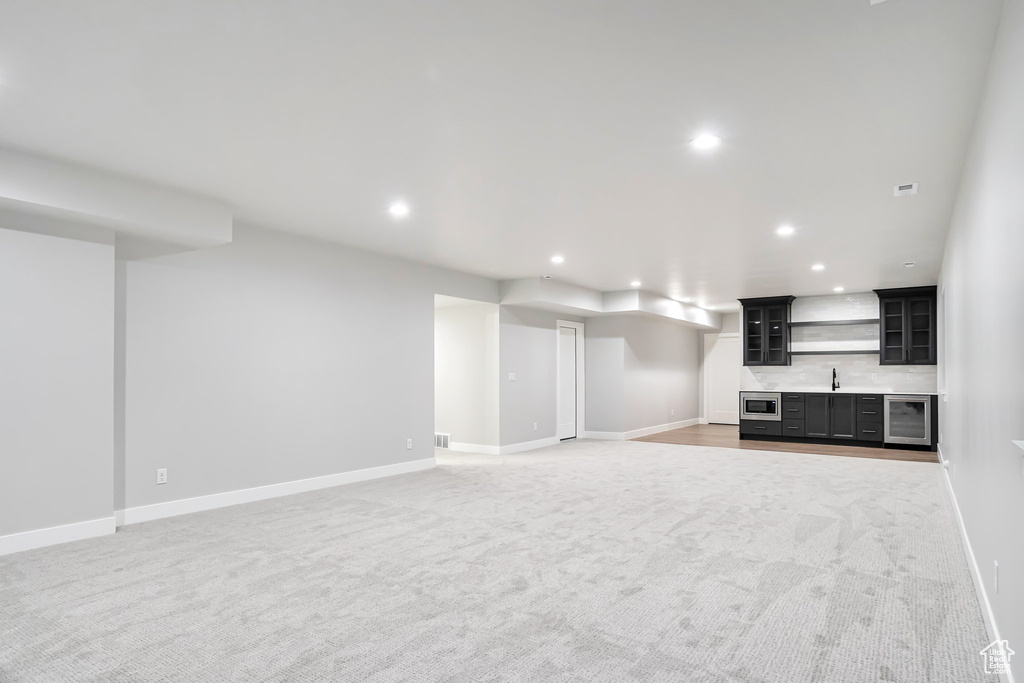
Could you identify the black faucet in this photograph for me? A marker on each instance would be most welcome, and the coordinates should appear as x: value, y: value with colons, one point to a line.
x: 835, y: 380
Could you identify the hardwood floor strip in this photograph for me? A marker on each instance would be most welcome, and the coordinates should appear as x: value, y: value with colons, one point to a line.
x: 728, y: 436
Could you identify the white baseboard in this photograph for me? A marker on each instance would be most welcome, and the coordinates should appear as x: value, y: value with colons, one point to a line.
x: 703, y: 421
x: 605, y: 436
x: 972, y: 563
x: 184, y: 506
x: 39, y: 538
x: 474, y: 448
x: 529, y: 445
x: 637, y: 433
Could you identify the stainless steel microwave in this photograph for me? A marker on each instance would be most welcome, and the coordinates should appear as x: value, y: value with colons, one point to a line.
x: 760, y: 405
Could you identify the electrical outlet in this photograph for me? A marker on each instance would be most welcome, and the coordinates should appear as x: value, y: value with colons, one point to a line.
x: 874, y: 375
x: 534, y: 426
x: 672, y: 413
x: 408, y: 444
x: 803, y: 375
x: 757, y: 375
x: 161, y: 476
x: 996, y: 571
x: 511, y: 377
x: 910, y: 375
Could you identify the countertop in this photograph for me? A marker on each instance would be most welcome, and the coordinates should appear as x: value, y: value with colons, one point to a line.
x: 843, y: 390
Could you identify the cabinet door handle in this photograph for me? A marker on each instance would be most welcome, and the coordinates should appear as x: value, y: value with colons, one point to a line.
x: 792, y: 427
x: 760, y: 427
x: 792, y: 410
x: 868, y: 412
x: 869, y: 431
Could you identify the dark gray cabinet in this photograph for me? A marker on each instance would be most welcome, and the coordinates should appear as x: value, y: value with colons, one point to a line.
x: 843, y: 416
x: 830, y: 416
x: 907, y: 326
x: 766, y: 330
x: 816, y: 416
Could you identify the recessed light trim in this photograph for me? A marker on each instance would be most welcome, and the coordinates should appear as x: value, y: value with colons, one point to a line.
x: 785, y: 230
x: 818, y: 266
x: 705, y: 141
x: 557, y: 258
x: 635, y: 283
x: 909, y: 264
x: 839, y: 289
x: 399, y: 209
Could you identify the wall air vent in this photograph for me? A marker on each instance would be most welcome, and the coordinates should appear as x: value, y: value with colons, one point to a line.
x: 904, y: 190
x: 442, y: 440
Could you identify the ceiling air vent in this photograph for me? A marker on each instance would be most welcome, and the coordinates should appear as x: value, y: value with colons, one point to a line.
x: 904, y: 190
x: 442, y: 440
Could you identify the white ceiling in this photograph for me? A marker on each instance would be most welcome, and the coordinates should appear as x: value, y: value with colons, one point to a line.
x: 517, y: 130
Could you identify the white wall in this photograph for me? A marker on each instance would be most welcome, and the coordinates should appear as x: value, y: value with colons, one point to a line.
x: 466, y: 373
x: 982, y: 328
x: 654, y: 362
x: 56, y: 381
x: 528, y: 343
x: 275, y: 358
x: 605, y: 369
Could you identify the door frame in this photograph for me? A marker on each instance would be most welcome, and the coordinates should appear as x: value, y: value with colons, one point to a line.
x: 581, y: 411
x: 707, y: 398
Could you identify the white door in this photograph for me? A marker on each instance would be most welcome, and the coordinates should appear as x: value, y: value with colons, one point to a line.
x: 566, y: 382
x: 722, y: 378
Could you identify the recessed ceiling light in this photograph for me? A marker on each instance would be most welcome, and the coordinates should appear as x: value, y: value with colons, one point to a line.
x: 909, y: 264
x: 839, y: 289
x: 399, y: 210
x: 547, y: 277
x: 785, y: 230
x: 818, y: 266
x: 634, y: 283
x: 705, y: 141
x: 557, y: 259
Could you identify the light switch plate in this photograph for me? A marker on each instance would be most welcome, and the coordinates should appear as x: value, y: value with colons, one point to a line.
x: 511, y: 377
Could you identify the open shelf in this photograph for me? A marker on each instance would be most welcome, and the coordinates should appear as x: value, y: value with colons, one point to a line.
x: 835, y: 353
x: 823, y: 323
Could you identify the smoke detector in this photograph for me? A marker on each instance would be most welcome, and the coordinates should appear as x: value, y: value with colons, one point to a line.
x: 904, y: 190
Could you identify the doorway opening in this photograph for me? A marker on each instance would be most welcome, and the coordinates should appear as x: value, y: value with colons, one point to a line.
x: 466, y: 375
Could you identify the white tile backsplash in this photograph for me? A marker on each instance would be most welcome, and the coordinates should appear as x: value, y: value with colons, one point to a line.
x: 854, y: 371
x: 861, y: 371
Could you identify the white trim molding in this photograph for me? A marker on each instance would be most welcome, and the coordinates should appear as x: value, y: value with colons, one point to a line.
x: 528, y: 445
x: 972, y: 562
x: 637, y: 433
x: 40, y: 538
x: 185, y: 506
x: 474, y: 448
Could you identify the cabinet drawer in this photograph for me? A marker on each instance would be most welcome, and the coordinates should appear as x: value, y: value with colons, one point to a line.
x: 869, y: 399
x: 797, y: 398
x: 793, y: 428
x: 868, y: 413
x: 792, y: 411
x: 869, y: 432
x: 762, y: 427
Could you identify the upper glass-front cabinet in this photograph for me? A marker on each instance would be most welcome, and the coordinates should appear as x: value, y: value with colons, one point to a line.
x: 907, y: 328
x: 766, y: 330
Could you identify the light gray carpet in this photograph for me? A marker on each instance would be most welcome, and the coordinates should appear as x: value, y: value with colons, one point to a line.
x: 590, y: 561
